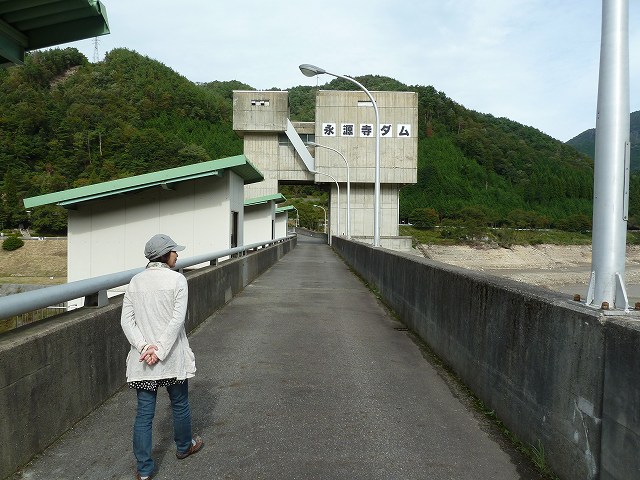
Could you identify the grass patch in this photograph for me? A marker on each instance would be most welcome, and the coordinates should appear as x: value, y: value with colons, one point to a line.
x: 535, y: 453
x: 40, y: 262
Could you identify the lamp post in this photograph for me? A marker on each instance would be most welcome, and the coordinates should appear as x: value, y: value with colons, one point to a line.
x: 297, y: 216
x: 314, y: 144
x: 325, y: 217
x: 338, y: 187
x: 611, y: 165
x: 311, y: 71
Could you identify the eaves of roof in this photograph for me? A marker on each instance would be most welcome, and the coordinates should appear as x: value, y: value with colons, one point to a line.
x: 165, y: 178
x: 31, y: 24
x: 276, y: 197
x: 288, y: 208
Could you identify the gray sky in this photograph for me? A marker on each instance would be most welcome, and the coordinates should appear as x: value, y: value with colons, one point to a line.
x: 533, y: 61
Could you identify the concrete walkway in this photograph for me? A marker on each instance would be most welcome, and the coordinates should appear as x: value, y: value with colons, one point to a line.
x: 303, y: 375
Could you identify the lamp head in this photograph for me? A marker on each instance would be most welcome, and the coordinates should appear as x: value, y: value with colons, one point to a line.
x: 311, y: 70
x: 311, y: 144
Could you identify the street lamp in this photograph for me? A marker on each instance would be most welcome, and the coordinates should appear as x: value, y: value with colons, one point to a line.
x: 312, y: 71
x: 611, y: 165
x: 338, y: 187
x: 314, y: 144
x: 297, y: 216
x: 325, y: 217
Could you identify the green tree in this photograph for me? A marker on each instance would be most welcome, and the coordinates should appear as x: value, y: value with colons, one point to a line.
x: 575, y: 223
x: 49, y: 220
x: 424, y: 218
x: 193, y: 153
x: 12, y: 243
x: 13, y: 211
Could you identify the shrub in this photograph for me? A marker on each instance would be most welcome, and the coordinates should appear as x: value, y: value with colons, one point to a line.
x: 575, y: 223
x: 12, y: 243
x: 424, y: 218
x: 504, y: 237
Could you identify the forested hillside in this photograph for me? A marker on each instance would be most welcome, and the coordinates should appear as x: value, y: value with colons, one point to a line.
x: 477, y: 168
x: 586, y: 141
x: 65, y: 122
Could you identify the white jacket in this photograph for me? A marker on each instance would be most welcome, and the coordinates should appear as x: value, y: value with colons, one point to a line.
x: 153, y: 312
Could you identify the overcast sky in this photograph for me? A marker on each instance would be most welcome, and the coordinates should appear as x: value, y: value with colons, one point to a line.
x: 533, y: 61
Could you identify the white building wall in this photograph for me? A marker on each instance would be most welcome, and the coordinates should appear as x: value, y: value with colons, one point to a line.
x: 362, y: 201
x: 282, y: 220
x: 259, y: 222
x: 108, y: 235
x: 398, y: 152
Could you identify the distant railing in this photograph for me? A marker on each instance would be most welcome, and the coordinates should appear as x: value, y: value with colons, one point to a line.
x: 94, y: 290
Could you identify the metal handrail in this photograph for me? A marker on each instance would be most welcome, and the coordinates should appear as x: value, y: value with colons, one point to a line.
x: 20, y: 303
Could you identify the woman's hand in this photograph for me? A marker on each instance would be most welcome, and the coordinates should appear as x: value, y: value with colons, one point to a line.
x: 149, y: 355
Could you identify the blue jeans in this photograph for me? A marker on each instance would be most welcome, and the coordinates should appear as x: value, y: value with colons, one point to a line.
x: 142, y: 438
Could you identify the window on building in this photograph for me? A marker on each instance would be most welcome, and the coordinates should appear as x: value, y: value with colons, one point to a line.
x: 283, y: 140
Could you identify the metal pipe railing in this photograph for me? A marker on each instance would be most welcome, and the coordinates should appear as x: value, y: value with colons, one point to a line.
x: 20, y: 303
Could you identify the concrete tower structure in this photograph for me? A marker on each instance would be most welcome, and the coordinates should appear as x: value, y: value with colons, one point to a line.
x: 345, y: 121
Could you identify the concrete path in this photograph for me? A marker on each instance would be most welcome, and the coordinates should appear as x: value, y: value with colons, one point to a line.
x: 304, y: 375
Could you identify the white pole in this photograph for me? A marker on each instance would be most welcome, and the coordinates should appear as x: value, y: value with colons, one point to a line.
x: 314, y: 144
x: 312, y: 70
x: 325, y: 219
x: 611, y: 168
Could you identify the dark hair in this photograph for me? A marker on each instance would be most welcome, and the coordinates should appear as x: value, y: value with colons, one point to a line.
x: 164, y: 258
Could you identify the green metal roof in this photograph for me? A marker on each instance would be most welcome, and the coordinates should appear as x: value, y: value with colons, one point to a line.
x: 288, y: 208
x: 31, y: 24
x: 238, y: 164
x: 277, y: 197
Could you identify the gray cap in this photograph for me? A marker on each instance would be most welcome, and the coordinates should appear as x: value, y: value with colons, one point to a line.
x: 160, y: 244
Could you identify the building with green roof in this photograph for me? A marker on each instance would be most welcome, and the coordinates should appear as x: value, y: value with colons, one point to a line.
x: 282, y: 220
x: 200, y: 206
x: 260, y: 218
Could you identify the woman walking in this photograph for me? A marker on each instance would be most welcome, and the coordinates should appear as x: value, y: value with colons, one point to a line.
x: 153, y: 314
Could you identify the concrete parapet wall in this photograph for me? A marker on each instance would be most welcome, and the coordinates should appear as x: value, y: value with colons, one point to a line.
x: 399, y: 243
x: 55, y: 372
x: 621, y: 399
x: 561, y: 376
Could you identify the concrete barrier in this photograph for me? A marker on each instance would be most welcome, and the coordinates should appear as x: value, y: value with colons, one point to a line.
x: 561, y: 376
x: 621, y: 400
x: 55, y: 372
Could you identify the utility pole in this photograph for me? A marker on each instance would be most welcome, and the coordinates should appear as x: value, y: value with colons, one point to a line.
x: 96, y: 53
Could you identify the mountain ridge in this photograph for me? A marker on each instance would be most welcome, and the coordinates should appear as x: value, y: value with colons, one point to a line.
x: 585, y: 142
x: 130, y: 114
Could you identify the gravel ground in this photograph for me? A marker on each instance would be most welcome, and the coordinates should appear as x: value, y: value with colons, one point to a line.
x: 562, y: 268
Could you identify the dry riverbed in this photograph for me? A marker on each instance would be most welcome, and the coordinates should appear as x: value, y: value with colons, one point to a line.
x: 563, y: 268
